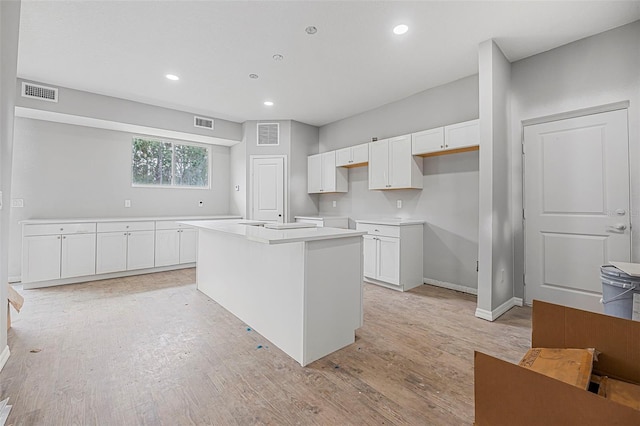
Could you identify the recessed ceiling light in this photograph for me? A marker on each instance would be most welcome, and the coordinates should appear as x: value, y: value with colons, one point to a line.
x: 311, y: 30
x: 172, y: 77
x: 268, y: 103
x: 253, y: 75
x: 400, y: 29
x: 278, y: 57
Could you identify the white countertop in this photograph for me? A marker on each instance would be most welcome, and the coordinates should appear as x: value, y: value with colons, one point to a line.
x: 321, y: 217
x: 394, y: 221
x: 272, y: 236
x: 127, y: 219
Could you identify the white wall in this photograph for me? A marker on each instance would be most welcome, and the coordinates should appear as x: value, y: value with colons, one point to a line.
x: 67, y: 171
x: 495, y: 285
x: 238, y: 177
x: 9, y: 26
x: 597, y: 70
x: 449, y: 200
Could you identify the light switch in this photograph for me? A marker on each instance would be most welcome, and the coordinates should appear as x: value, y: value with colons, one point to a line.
x: 399, y: 204
x: 17, y: 202
x: 127, y: 203
x: 237, y: 187
x: 335, y: 203
x: 200, y: 203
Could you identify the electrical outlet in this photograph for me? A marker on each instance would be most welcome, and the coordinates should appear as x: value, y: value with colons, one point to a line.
x: 399, y: 204
x: 17, y: 202
x: 127, y: 203
x: 237, y: 187
x: 335, y: 203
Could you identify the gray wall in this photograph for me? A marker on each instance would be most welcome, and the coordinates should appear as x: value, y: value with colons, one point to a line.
x: 86, y: 104
x: 9, y: 29
x: 495, y: 285
x: 598, y: 70
x: 67, y: 171
x: 449, y: 200
x: 304, y: 142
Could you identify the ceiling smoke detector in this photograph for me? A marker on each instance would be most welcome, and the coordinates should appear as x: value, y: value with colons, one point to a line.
x: 277, y: 57
x: 311, y: 30
x: 254, y: 76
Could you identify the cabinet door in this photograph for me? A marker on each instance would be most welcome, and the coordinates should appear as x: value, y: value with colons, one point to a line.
x: 314, y: 174
x: 41, y: 258
x: 389, y: 260
x: 370, y: 256
x: 427, y: 141
x: 462, y: 135
x: 78, y: 255
x: 343, y: 157
x: 329, y: 171
x: 188, y: 245
x: 378, y: 164
x: 140, y: 250
x: 167, y: 247
x: 111, y: 252
x: 360, y: 154
x: 400, y: 158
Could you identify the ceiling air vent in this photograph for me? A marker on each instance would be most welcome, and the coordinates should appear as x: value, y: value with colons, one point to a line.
x: 36, y: 91
x: 203, y: 122
x: 268, y: 133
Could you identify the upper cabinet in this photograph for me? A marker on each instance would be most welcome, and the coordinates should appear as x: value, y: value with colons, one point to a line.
x: 392, y: 165
x: 459, y: 137
x: 353, y: 156
x: 324, y: 176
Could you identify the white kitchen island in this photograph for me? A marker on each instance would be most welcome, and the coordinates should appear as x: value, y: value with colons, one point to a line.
x: 300, y: 288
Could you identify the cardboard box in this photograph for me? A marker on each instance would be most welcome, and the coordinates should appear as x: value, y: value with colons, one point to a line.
x: 13, y: 299
x: 572, y: 366
x: 621, y: 392
x: 508, y: 394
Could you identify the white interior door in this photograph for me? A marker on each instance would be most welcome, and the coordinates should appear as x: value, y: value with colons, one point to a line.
x: 268, y: 189
x: 576, y: 206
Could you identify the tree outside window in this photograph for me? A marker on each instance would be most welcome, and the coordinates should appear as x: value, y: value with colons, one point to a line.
x: 169, y: 164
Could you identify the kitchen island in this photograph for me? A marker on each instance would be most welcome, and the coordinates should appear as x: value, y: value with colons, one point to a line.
x: 300, y: 288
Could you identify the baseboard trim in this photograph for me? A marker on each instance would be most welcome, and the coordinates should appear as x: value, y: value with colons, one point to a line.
x: 4, y: 356
x: 15, y: 279
x: 497, y: 312
x: 451, y: 286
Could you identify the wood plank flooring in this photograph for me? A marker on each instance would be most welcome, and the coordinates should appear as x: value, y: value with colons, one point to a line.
x: 152, y: 350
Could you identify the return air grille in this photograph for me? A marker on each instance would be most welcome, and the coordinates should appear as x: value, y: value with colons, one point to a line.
x: 203, y: 122
x: 35, y: 91
x: 268, y: 133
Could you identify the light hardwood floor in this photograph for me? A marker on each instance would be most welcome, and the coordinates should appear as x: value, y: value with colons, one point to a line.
x: 153, y: 350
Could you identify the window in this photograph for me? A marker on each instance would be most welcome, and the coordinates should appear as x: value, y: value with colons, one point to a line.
x: 169, y: 164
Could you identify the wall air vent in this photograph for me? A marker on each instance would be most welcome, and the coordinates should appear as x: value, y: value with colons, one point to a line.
x: 203, y: 122
x: 36, y: 91
x: 268, y: 134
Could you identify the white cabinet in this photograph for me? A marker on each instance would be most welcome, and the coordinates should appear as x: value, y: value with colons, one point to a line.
x: 459, y: 137
x: 353, y: 156
x: 124, y: 246
x: 328, y: 221
x: 323, y: 176
x: 392, y: 252
x: 175, y: 243
x: 54, y: 251
x: 392, y: 165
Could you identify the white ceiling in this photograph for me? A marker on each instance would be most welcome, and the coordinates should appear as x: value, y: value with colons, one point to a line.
x: 354, y: 63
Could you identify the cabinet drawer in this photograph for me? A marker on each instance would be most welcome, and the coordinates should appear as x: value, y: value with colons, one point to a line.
x: 59, y: 228
x: 125, y: 226
x: 169, y: 224
x: 383, y: 230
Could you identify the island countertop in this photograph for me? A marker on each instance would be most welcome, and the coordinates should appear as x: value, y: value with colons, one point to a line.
x: 245, y: 229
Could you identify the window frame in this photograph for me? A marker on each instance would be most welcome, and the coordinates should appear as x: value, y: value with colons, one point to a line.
x: 173, y: 163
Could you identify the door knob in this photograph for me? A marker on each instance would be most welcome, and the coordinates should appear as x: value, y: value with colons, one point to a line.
x: 618, y: 227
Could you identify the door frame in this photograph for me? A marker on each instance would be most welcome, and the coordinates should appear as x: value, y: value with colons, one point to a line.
x: 558, y: 117
x: 285, y: 184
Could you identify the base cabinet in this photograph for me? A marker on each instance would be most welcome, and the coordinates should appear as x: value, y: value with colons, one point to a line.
x: 175, y: 244
x: 393, y: 254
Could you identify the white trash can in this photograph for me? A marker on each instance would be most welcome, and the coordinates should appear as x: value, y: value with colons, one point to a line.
x: 618, y: 289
